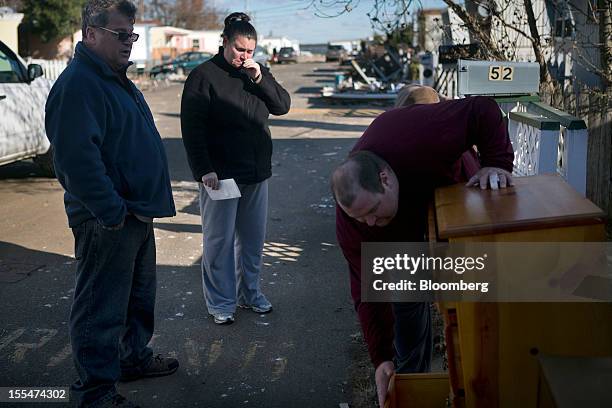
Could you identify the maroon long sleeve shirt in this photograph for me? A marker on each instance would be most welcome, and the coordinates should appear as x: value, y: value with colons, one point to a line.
x: 423, y: 145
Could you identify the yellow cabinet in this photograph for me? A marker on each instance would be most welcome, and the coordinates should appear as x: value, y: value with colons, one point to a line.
x: 493, y: 348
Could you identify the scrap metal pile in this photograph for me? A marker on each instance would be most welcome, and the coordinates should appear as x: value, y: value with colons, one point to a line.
x: 375, y: 75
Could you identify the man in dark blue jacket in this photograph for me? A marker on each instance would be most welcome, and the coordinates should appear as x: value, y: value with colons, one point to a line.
x: 110, y: 159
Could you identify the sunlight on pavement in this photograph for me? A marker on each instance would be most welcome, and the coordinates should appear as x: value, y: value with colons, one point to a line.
x: 283, y: 252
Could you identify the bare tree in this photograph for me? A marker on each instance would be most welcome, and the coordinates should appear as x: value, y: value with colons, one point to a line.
x: 513, y: 20
x: 190, y: 14
x: 195, y: 14
x: 479, y: 29
x: 605, y: 34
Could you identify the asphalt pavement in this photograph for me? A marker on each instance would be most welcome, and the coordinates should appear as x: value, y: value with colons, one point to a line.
x: 301, y: 355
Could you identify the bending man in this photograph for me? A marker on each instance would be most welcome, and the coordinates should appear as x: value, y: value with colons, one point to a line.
x: 416, y: 148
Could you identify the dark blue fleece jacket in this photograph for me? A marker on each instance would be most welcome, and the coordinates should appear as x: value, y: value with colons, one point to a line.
x: 108, y: 154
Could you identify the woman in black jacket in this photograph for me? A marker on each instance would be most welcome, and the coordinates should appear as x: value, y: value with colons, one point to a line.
x: 224, y: 122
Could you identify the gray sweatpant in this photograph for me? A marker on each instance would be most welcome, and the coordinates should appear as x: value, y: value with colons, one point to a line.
x: 233, y: 232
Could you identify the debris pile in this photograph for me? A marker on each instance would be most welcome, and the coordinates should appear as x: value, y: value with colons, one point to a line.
x: 375, y: 75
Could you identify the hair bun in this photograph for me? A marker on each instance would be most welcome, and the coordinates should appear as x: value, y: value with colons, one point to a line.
x: 235, y: 17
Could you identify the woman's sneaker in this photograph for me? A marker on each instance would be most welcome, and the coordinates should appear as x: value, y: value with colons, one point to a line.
x: 223, y: 318
x: 263, y: 308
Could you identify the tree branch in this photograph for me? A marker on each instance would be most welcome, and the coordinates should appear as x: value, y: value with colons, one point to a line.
x: 474, y: 26
x: 545, y: 77
x: 605, y: 34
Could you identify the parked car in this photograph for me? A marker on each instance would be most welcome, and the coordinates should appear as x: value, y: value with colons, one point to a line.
x: 261, y: 56
x: 335, y: 53
x: 287, y: 54
x: 181, y: 65
x: 23, y: 94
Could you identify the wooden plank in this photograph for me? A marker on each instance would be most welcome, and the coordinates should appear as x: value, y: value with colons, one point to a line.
x: 535, y: 202
x: 599, y: 156
x: 524, y: 330
x: 431, y: 223
x: 429, y: 390
x: 538, y: 122
x: 564, y: 329
x: 455, y: 366
x: 577, y: 381
x: 391, y: 401
x: 567, y: 120
x: 499, y: 343
x: 517, y: 98
x: 580, y: 233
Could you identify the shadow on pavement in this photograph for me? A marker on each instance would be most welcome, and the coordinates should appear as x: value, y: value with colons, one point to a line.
x: 317, y: 125
x: 319, y: 70
x: 356, y: 113
x: 318, y: 102
x: 18, y: 263
x: 308, y: 90
x: 190, y: 228
x: 330, y: 75
x: 169, y: 114
x: 22, y: 170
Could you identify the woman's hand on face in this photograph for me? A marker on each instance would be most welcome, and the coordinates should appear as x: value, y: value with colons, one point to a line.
x: 253, y: 69
x: 211, y: 180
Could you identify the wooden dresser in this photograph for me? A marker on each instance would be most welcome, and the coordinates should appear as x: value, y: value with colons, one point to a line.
x: 495, y: 349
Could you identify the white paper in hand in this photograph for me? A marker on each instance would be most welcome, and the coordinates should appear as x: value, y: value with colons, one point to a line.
x: 227, y: 189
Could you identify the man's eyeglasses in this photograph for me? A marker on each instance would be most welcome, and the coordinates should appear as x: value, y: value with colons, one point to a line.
x: 121, y: 36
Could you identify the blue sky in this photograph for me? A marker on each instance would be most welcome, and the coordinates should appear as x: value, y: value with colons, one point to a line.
x: 292, y: 19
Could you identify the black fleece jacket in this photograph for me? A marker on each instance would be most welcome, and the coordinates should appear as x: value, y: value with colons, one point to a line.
x: 224, y: 121
x: 109, y: 156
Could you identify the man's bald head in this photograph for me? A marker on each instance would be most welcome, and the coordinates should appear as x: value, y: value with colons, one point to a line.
x: 360, y: 171
x: 416, y: 94
x: 366, y: 188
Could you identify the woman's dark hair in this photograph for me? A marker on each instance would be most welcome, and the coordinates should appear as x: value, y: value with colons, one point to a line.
x: 238, y: 24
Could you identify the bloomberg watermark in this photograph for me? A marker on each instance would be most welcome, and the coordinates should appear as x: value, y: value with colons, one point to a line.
x: 486, y: 272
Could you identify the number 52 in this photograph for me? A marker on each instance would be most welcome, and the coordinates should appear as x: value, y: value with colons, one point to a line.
x: 500, y: 73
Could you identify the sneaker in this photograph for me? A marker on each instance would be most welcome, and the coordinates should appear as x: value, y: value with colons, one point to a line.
x: 159, y: 367
x: 265, y: 308
x: 223, y: 318
x: 118, y: 401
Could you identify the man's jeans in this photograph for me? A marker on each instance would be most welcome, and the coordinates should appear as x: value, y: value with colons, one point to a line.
x: 413, y: 337
x: 111, y: 321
